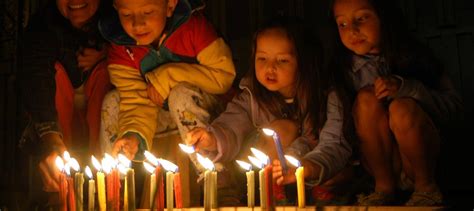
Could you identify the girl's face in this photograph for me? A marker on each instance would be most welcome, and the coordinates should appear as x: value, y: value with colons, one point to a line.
x: 78, y: 12
x: 276, y: 62
x: 144, y: 20
x: 359, y: 26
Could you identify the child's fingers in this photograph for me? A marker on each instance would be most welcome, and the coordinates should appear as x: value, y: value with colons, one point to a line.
x: 49, y: 184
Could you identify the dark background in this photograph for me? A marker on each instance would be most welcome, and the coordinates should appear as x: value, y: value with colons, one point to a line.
x: 445, y: 25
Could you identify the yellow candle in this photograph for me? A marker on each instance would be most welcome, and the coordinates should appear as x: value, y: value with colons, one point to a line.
x: 131, y: 188
x: 152, y: 188
x: 299, y: 180
x: 210, y: 183
x: 101, y: 191
x: 125, y: 196
x: 213, y: 189
x: 100, y: 184
x: 79, y: 182
x: 262, y: 183
x: 169, y: 190
x: 91, y: 192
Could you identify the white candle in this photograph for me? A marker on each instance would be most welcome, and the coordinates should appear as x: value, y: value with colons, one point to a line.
x: 210, y: 183
x: 78, y: 183
x: 250, y: 182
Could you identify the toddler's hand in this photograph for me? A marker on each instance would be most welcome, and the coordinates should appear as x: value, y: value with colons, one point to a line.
x: 201, y: 139
x: 154, y: 96
x: 386, y: 86
x: 279, y: 177
x: 128, y: 145
x: 87, y: 58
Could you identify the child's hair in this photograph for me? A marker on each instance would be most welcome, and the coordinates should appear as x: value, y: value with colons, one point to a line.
x: 310, y: 98
x: 404, y: 54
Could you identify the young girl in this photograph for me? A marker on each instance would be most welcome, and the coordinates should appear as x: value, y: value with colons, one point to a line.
x: 285, y: 91
x: 402, y: 99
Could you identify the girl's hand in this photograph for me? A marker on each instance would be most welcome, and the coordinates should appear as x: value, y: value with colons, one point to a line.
x: 386, y: 86
x: 201, y: 139
x: 87, y: 58
x: 128, y: 145
x: 154, y: 96
x: 279, y: 177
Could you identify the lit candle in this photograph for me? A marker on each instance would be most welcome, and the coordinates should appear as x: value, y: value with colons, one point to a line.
x: 70, y: 193
x: 187, y: 148
x: 91, y: 192
x: 157, y: 193
x: 299, y: 180
x: 171, y: 183
x: 279, y: 148
x: 250, y: 182
x: 109, y: 165
x: 78, y: 183
x: 100, y: 184
x: 210, y: 183
x: 129, y: 181
x: 62, y: 184
x: 265, y: 179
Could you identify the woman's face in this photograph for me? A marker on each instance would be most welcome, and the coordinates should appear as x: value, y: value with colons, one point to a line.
x: 78, y: 12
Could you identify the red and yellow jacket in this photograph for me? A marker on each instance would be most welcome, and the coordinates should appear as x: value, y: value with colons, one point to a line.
x: 191, y: 52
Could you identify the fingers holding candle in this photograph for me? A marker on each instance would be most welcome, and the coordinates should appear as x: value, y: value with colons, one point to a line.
x: 201, y: 138
x: 128, y: 145
x: 280, y: 177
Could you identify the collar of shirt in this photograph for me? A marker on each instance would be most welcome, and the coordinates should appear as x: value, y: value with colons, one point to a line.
x: 358, y: 62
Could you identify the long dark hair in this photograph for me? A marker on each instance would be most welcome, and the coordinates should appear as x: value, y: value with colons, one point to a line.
x: 310, y: 96
x: 403, y: 52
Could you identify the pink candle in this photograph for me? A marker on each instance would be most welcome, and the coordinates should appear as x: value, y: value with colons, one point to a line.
x: 160, y: 190
x: 177, y: 190
x: 71, y: 195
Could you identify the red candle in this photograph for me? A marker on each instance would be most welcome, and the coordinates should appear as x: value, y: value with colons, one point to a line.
x: 71, y: 195
x: 269, y: 186
x: 160, y: 190
x: 177, y: 190
x: 113, y: 190
x: 63, y: 188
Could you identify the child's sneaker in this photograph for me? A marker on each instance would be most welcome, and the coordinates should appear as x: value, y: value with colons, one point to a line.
x: 375, y: 199
x: 425, y: 198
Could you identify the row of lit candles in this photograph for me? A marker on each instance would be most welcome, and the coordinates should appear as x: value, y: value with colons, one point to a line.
x: 71, y: 192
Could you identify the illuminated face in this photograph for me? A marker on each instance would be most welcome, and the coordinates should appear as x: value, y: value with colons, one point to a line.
x: 78, y: 12
x: 144, y: 20
x: 276, y: 62
x: 359, y: 26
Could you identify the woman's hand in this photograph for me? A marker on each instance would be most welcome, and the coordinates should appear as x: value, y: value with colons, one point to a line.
x: 201, y: 139
x: 87, y: 58
x: 386, y: 86
x: 54, y: 146
x: 154, y: 96
x: 128, y: 145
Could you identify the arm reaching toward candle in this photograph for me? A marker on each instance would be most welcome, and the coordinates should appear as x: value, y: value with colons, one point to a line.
x: 201, y: 139
x: 311, y: 171
x: 53, y: 146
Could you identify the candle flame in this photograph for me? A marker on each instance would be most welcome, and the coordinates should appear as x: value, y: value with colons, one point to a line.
x: 268, y: 132
x: 96, y: 163
x: 256, y: 162
x: 74, y: 164
x: 244, y: 165
x: 293, y: 161
x: 88, y: 172
x: 111, y: 160
x: 261, y: 156
x: 123, y: 169
x: 169, y: 166
x: 124, y: 160
x: 106, y: 165
x: 150, y: 157
x: 149, y: 167
x: 67, y: 168
x: 66, y: 156
x: 205, y: 162
x: 187, y: 148
x: 59, y: 163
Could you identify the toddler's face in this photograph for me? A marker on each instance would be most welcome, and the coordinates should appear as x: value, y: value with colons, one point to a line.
x: 78, y: 12
x: 359, y: 26
x: 275, y: 62
x: 144, y: 20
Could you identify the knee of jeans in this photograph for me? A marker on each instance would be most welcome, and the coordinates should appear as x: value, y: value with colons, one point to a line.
x: 111, y: 98
x: 179, y: 93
